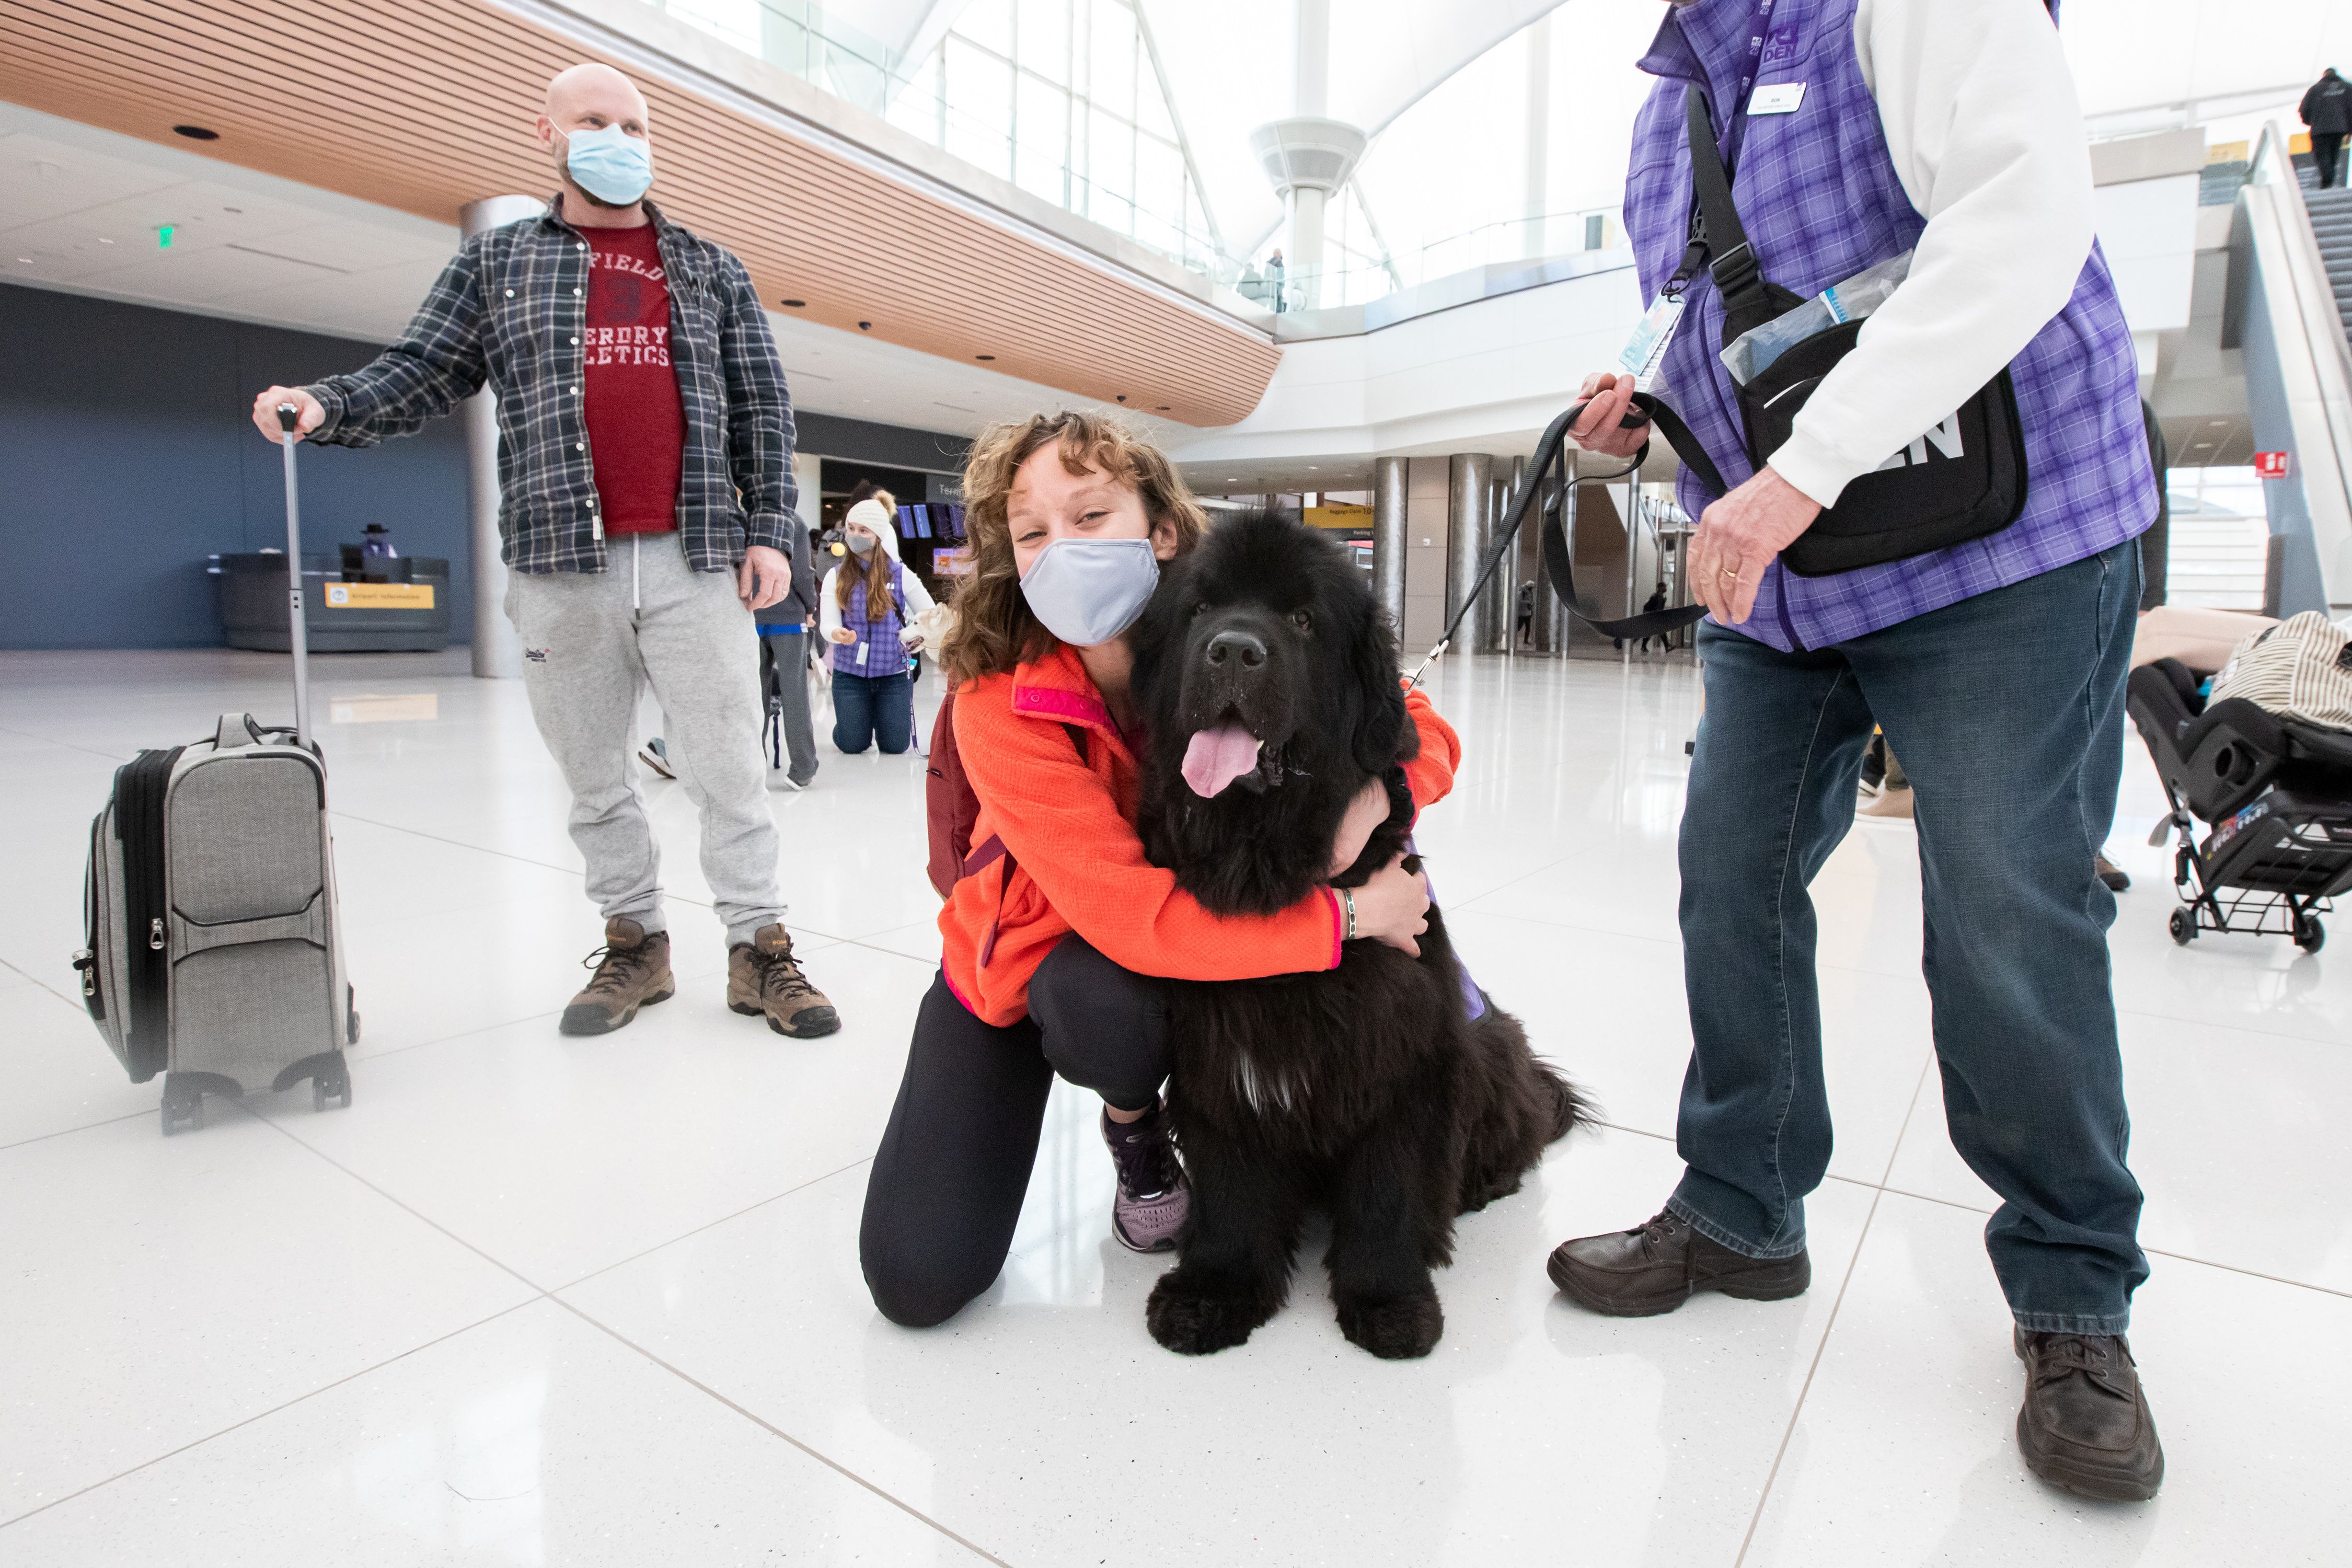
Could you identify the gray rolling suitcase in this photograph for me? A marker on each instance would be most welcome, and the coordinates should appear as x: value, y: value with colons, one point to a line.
x: 214, y: 954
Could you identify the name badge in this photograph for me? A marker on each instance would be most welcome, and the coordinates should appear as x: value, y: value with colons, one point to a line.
x: 1647, y: 346
x: 1778, y: 97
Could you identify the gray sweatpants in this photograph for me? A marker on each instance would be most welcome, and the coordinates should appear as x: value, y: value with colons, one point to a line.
x: 592, y: 642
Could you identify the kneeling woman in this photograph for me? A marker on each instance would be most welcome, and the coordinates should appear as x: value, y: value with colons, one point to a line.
x: 868, y: 609
x: 1055, y: 949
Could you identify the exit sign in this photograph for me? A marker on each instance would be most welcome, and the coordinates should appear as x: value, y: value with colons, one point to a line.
x: 2269, y: 465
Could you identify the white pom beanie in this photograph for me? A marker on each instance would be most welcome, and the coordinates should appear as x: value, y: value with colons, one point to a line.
x: 873, y: 514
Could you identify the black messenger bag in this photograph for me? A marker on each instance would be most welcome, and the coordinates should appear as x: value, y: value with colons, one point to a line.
x: 1962, y: 480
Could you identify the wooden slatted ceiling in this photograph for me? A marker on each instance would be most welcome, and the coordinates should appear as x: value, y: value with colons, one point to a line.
x: 424, y: 105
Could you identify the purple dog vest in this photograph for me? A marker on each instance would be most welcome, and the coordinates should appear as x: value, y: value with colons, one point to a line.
x: 1818, y: 193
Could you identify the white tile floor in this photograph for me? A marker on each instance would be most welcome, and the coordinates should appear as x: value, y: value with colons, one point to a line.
x: 534, y: 1299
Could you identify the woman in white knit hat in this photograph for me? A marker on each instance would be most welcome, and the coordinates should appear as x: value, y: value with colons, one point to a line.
x: 868, y: 609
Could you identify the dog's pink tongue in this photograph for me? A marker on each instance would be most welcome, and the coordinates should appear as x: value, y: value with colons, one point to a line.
x: 1217, y: 757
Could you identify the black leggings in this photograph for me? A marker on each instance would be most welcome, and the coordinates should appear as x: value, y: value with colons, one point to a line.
x: 947, y: 1184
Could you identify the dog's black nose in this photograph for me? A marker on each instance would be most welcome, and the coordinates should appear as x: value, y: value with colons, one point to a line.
x: 1228, y: 646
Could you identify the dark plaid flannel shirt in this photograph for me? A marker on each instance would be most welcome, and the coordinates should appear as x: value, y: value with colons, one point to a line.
x: 508, y: 309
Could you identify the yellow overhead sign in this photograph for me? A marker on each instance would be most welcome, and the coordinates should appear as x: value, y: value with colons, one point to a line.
x: 1339, y: 515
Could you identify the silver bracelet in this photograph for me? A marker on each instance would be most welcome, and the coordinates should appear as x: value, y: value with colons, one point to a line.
x: 1348, y: 897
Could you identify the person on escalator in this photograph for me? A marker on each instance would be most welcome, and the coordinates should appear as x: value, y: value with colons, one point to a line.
x: 2327, y: 107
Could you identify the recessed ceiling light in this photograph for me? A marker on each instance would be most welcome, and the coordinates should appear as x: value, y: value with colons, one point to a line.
x: 794, y: 304
x: 984, y: 356
x: 25, y: 260
x: 1163, y: 409
x: 106, y: 242
x: 238, y: 211
x: 195, y: 133
x: 864, y: 326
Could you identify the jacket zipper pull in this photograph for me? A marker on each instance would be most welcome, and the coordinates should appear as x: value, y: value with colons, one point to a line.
x: 155, y: 934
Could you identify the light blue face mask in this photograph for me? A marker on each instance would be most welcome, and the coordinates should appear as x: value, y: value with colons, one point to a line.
x: 1087, y: 591
x: 610, y: 164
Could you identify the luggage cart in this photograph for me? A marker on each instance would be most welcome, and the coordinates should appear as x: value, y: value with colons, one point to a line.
x: 2278, y: 795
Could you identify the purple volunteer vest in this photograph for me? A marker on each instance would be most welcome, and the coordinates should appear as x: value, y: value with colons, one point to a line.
x: 1818, y: 193
x: 885, y: 653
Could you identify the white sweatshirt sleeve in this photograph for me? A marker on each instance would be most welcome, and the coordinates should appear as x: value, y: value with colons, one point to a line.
x: 919, y: 598
x: 828, y: 607
x: 1987, y: 134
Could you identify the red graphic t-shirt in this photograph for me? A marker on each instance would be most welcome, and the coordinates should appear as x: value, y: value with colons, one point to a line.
x: 636, y: 425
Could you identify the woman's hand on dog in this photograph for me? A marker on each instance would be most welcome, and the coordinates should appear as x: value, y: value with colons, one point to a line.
x: 1365, y: 813
x: 1393, y: 907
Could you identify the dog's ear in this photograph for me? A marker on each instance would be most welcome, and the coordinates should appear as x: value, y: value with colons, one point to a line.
x: 1384, y: 734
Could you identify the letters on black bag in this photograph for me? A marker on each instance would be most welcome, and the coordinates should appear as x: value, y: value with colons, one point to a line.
x: 1964, y: 480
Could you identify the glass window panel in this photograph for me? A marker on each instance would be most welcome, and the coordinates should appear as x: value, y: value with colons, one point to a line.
x: 915, y: 107
x: 1150, y: 103
x: 1041, y: 132
x: 980, y: 108
x: 737, y: 21
x: 988, y: 23
x: 1110, y: 158
x: 1158, y: 179
x: 1044, y: 38
x: 1112, y: 84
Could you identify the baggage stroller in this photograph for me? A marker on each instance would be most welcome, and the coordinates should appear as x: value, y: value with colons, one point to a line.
x: 214, y: 949
x: 2278, y: 795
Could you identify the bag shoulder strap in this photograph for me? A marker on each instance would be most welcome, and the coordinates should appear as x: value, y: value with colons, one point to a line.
x: 1749, y: 299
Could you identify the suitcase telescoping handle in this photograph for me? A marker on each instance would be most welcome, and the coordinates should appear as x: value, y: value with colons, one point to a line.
x: 297, y: 634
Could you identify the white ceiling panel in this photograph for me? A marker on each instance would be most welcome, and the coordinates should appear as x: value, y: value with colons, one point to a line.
x: 41, y: 179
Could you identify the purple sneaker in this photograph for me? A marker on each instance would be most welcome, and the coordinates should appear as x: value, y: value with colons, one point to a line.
x: 1153, y: 1197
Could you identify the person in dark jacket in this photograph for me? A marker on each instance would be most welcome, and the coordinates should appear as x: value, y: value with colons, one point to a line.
x: 2327, y: 107
x: 787, y: 626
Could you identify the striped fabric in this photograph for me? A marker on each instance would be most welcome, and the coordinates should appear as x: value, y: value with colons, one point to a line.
x: 510, y: 309
x: 1818, y: 193
x: 2300, y: 669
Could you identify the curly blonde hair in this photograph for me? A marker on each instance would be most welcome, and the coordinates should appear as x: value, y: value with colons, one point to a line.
x: 994, y: 629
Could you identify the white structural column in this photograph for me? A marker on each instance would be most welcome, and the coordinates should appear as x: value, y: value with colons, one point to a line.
x: 1538, y: 143
x: 1307, y: 156
x: 1392, y: 493
x: 497, y: 651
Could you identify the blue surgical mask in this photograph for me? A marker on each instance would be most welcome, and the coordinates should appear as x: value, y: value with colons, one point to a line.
x: 1087, y: 591
x: 610, y: 164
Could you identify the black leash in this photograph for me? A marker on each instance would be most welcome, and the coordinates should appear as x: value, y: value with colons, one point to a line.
x: 1548, y: 456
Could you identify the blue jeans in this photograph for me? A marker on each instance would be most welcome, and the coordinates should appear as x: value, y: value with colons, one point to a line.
x: 2007, y: 710
x: 877, y: 709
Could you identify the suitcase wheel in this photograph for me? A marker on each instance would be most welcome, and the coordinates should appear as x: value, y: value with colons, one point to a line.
x: 324, y: 1094
x: 188, y: 1111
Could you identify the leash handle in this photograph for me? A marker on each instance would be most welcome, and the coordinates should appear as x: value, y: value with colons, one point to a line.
x: 1548, y: 456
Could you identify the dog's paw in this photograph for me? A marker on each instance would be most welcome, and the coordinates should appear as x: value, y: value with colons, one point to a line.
x: 1394, y: 1330
x: 1190, y: 1320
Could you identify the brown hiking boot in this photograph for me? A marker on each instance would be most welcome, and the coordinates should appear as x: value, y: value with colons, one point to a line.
x: 632, y: 972
x: 2085, y: 1424
x: 1661, y: 1263
x: 762, y: 977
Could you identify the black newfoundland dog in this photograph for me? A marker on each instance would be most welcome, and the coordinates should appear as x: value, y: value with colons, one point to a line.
x: 1386, y: 1091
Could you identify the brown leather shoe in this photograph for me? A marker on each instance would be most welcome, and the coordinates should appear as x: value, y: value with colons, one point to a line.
x: 632, y: 972
x: 1661, y: 1263
x: 762, y: 977
x: 2085, y: 1424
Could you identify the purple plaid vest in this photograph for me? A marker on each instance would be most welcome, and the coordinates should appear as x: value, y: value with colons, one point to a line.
x: 885, y: 653
x: 1818, y: 193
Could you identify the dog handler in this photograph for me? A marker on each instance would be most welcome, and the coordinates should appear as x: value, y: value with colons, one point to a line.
x: 1051, y: 949
x: 1858, y: 129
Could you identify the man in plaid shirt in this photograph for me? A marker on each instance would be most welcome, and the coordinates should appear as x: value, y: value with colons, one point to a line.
x: 605, y: 326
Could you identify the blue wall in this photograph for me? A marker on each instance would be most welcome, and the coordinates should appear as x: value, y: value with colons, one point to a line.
x: 128, y: 455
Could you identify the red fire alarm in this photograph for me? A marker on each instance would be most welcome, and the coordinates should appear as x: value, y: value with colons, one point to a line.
x: 2269, y: 465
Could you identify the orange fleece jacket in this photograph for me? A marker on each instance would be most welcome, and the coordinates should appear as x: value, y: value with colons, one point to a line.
x: 1073, y: 862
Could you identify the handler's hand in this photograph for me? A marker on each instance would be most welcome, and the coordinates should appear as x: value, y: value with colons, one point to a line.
x: 1739, y: 536
x: 308, y: 415
x: 765, y: 576
x: 1365, y: 813
x: 1393, y: 908
x: 844, y: 636
x: 1602, y: 428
